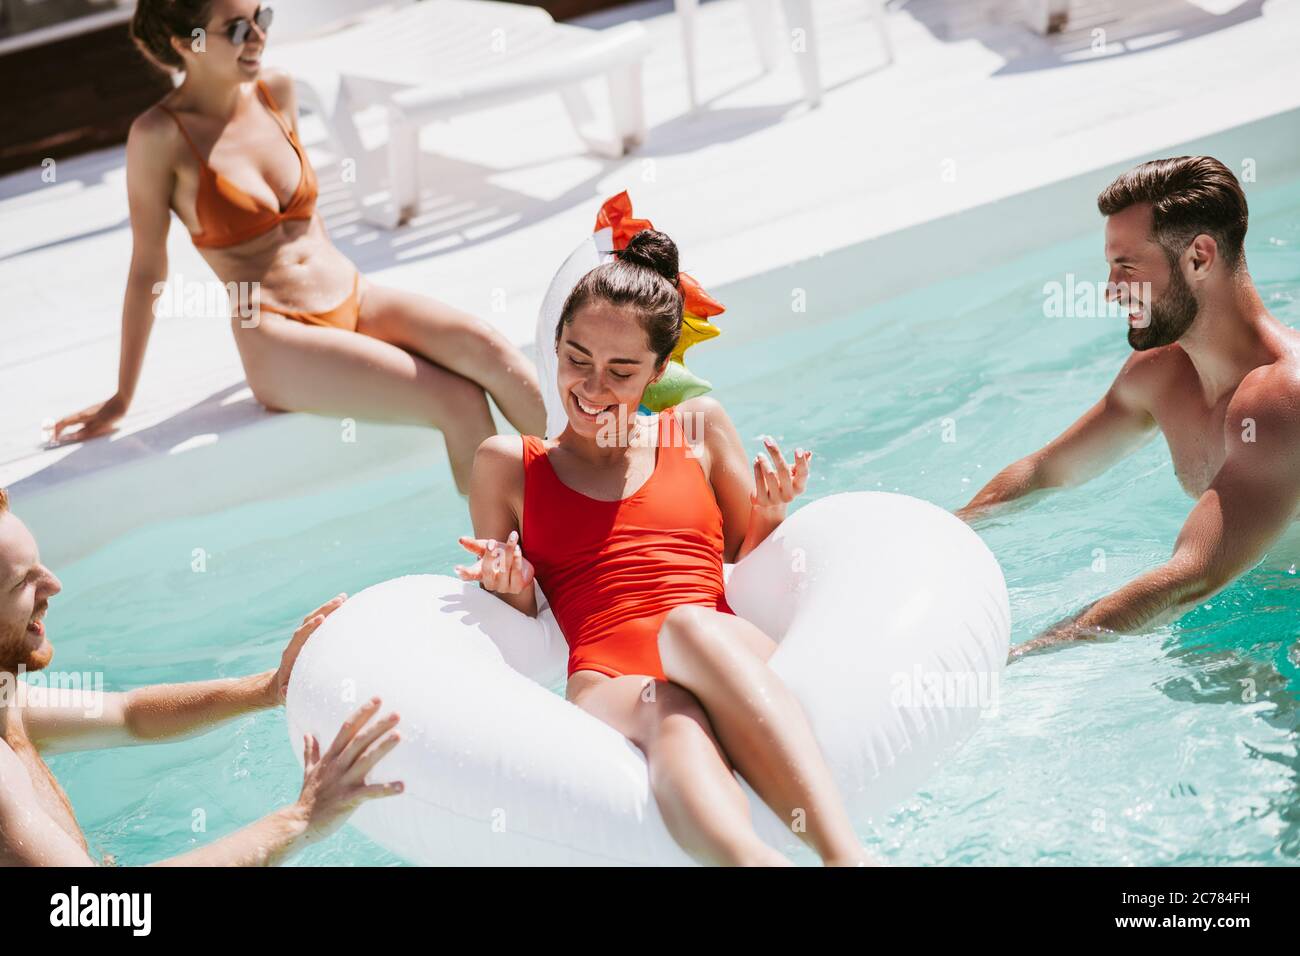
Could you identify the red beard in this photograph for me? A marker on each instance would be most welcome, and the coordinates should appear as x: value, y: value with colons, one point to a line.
x: 19, y: 655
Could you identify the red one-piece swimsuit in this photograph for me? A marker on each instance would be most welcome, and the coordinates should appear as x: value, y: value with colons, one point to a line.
x: 612, y: 570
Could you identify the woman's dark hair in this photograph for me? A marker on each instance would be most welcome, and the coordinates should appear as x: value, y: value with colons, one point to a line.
x: 1189, y: 195
x: 642, y: 275
x: 155, y: 23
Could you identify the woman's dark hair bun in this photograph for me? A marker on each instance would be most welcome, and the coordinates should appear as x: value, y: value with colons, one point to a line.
x: 643, y: 275
x: 654, y: 250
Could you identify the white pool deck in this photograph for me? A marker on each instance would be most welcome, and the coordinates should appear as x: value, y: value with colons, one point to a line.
x: 970, y: 112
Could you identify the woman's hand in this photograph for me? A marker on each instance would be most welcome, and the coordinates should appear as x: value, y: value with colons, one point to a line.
x: 775, y: 487
x: 334, y: 785
x: 501, y: 567
x: 280, y: 683
x: 94, y: 421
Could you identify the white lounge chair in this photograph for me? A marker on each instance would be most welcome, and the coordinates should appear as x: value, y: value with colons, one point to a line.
x: 431, y: 60
x: 767, y: 36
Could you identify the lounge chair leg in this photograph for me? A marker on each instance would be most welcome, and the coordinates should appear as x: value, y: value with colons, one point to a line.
x: 686, y: 13
x: 403, y: 166
x: 627, y: 105
x: 626, y: 111
x: 583, y: 119
x: 762, y: 22
x: 1047, y: 16
x: 359, y: 168
x: 799, y: 16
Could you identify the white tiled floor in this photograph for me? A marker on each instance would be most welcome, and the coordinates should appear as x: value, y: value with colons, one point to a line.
x: 752, y: 181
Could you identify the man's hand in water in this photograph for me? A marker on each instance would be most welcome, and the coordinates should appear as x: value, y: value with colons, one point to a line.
x: 96, y: 420
x: 1062, y: 634
x: 280, y: 680
x: 334, y: 785
x: 501, y: 567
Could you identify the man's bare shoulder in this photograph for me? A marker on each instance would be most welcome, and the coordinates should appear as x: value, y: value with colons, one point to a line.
x: 1270, y: 395
x: 28, y: 835
x: 17, y: 800
x: 1151, y: 370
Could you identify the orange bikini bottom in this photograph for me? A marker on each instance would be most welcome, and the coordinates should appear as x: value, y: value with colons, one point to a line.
x: 342, y: 316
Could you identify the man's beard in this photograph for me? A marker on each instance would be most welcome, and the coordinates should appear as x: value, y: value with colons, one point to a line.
x: 1170, y: 317
x: 16, y: 653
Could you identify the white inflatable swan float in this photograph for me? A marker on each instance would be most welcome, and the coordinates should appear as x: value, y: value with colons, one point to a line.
x: 893, y: 624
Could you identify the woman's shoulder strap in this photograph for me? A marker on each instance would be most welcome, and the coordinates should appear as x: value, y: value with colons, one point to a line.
x: 267, y: 96
x: 670, y: 429
x: 533, y: 448
x: 181, y: 126
x: 265, y: 92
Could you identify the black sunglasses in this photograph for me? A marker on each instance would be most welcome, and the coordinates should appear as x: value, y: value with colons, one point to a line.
x: 241, y: 28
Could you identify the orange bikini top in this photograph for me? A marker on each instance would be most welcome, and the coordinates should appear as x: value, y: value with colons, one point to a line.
x: 228, y: 215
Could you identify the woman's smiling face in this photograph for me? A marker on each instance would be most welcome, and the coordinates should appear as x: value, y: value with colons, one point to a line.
x: 604, y: 365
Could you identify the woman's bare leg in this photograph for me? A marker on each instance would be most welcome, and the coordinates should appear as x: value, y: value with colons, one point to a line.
x: 702, y: 804
x: 761, y: 725
x: 461, y: 343
x: 302, y: 368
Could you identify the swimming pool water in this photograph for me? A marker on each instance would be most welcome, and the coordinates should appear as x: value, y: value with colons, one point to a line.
x: 1178, y: 746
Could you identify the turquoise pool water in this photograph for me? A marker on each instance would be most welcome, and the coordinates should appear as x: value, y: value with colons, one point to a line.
x: 1175, y: 747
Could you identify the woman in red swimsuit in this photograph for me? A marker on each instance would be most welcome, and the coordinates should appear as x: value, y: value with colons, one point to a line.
x: 626, y: 535
x: 222, y: 152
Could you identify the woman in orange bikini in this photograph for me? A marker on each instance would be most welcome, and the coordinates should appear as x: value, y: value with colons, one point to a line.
x: 627, y: 540
x: 222, y: 152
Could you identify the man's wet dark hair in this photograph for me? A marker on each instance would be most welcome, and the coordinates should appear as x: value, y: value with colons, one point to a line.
x: 1189, y: 196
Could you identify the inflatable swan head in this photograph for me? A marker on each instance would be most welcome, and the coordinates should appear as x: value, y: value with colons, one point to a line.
x: 625, y: 262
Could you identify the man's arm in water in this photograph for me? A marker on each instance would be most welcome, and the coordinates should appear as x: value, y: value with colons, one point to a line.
x: 58, y: 720
x: 30, y: 837
x: 1113, y: 428
x: 333, y: 786
x: 1254, y: 496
